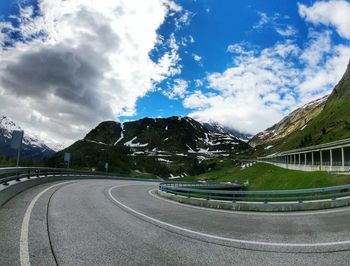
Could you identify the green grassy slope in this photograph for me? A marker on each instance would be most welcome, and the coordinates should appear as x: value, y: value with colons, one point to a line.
x: 269, y: 177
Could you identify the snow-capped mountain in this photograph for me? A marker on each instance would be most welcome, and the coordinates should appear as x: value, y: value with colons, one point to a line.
x: 173, y: 135
x: 217, y: 128
x: 176, y: 145
x: 32, y: 148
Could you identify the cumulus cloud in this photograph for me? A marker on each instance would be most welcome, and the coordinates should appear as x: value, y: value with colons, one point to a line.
x: 263, y: 85
x: 330, y: 13
x: 75, y: 63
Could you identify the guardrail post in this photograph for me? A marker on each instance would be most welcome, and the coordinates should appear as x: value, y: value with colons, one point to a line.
x: 233, y: 198
x: 17, y: 177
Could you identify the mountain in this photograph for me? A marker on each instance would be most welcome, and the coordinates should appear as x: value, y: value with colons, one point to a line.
x: 295, y: 121
x: 32, y: 148
x: 328, y: 120
x: 175, y: 145
x: 172, y: 135
x: 217, y: 128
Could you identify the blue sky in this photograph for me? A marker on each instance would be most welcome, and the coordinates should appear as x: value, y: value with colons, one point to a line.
x: 215, y: 25
x: 244, y: 64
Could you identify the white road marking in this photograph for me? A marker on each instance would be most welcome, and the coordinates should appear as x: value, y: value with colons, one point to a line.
x: 238, y: 241
x: 233, y: 212
x: 23, y: 244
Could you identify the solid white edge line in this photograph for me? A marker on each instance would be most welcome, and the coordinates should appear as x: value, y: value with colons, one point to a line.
x: 239, y: 241
x: 23, y: 244
x: 233, y: 212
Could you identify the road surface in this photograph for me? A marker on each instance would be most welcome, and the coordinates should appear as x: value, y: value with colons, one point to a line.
x: 108, y: 222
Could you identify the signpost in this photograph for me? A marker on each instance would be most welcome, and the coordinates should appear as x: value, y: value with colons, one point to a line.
x: 16, y: 143
x: 67, y: 158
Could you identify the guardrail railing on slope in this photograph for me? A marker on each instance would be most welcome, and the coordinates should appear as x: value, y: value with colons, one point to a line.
x: 300, y: 195
x: 18, y: 173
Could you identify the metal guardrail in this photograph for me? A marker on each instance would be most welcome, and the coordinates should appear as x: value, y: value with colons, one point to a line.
x: 300, y: 195
x: 18, y: 173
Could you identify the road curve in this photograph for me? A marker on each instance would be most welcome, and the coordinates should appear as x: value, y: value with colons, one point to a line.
x: 109, y: 222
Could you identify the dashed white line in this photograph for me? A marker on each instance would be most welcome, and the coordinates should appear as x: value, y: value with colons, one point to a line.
x: 238, y: 241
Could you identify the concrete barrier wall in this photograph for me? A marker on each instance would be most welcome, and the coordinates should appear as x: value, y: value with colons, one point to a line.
x: 257, y: 206
x: 14, y: 188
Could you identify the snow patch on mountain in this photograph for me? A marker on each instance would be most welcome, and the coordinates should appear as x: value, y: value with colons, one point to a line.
x: 8, y: 126
x: 131, y: 143
x: 33, y: 147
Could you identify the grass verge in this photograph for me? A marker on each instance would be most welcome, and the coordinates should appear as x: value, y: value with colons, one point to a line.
x: 263, y: 176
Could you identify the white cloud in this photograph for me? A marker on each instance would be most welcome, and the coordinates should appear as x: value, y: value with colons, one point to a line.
x: 286, y: 31
x: 239, y: 48
x: 178, y: 90
x: 277, y: 23
x: 196, y: 57
x: 320, y: 79
x: 191, y: 39
x: 319, y: 45
x: 5, y: 27
x: 263, y: 20
x: 184, y: 19
x: 67, y: 78
x: 262, y: 86
x: 198, y: 83
x: 330, y: 13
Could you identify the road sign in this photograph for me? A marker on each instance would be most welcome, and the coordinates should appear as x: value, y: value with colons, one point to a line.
x: 16, y: 143
x: 66, y: 157
x: 17, y: 138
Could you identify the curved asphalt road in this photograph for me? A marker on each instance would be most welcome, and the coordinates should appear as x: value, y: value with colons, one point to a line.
x: 105, y: 222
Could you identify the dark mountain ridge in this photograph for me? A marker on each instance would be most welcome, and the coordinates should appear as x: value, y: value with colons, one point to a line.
x: 175, y: 145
